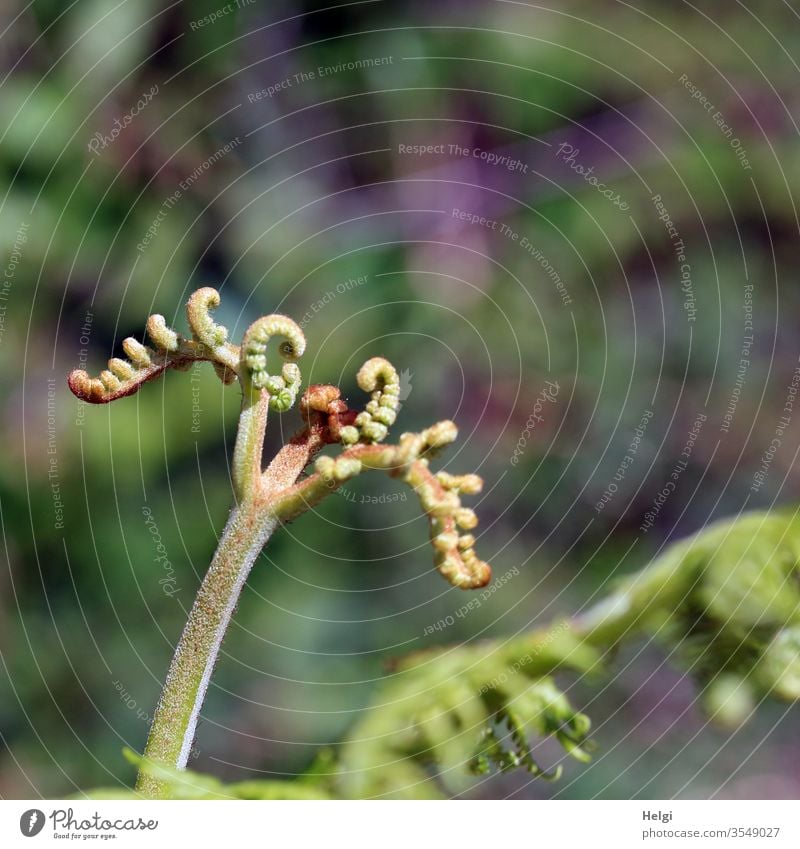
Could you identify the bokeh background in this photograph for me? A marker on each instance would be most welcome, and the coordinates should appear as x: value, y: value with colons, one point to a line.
x: 269, y: 152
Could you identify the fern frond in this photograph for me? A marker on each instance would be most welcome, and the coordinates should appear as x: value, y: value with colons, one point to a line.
x: 378, y: 377
x: 169, y: 350
x: 450, y: 714
x: 736, y: 626
x: 266, y: 498
x: 724, y: 603
x: 439, y: 495
x: 282, y: 388
x: 186, y: 784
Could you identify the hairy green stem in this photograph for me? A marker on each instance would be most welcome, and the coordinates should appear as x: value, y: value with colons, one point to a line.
x: 617, y: 617
x: 250, y: 525
x: 175, y: 721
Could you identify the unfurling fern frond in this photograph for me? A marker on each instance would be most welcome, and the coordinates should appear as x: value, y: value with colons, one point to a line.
x: 282, y: 388
x: 736, y: 624
x: 537, y: 707
x: 409, y: 461
x: 267, y: 498
x: 378, y: 377
x: 449, y: 715
x: 724, y: 603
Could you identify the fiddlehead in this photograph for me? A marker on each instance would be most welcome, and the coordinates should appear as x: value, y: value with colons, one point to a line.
x: 212, y: 336
x: 408, y: 461
x: 439, y: 497
x: 123, y: 378
x: 198, y: 313
x: 454, y: 552
x: 164, y: 337
x: 378, y: 377
x: 283, y: 388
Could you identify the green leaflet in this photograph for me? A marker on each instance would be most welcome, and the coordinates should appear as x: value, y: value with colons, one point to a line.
x: 186, y: 784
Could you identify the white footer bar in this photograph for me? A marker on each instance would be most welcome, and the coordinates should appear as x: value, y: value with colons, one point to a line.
x: 402, y: 825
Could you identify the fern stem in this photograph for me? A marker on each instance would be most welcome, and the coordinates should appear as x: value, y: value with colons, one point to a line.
x: 175, y: 721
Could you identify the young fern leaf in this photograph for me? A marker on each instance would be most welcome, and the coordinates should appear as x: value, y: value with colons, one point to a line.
x: 447, y: 715
x: 408, y: 461
x: 170, y: 350
x: 736, y: 628
x: 378, y: 377
x: 525, y: 708
x: 725, y: 604
x: 282, y: 388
